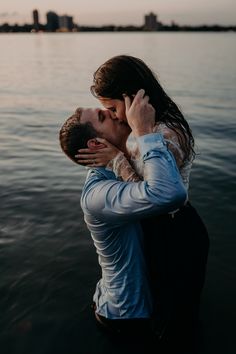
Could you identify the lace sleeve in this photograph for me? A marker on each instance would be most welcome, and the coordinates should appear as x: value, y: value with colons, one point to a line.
x: 173, y: 144
x: 177, y: 152
x: 123, y: 169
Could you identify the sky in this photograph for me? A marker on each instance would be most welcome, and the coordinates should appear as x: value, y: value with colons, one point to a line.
x: 122, y: 12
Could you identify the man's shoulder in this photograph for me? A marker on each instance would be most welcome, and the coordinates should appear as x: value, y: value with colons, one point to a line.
x: 94, y: 194
x: 94, y: 176
x: 99, y: 173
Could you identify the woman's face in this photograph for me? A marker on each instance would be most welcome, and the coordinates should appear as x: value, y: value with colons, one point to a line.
x: 116, y: 107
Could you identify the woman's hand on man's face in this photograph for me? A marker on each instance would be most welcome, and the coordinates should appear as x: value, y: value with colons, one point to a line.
x: 140, y: 113
x: 97, y: 158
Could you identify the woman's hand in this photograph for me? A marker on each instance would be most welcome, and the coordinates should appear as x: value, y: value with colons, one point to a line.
x: 97, y: 158
x: 140, y: 114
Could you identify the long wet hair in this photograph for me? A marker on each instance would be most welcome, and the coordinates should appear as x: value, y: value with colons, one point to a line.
x: 124, y: 74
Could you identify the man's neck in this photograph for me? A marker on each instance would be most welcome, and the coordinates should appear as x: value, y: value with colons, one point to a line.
x: 123, y: 147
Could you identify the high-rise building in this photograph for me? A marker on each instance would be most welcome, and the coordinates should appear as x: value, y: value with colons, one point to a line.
x: 66, y: 23
x: 150, y: 22
x: 36, y: 20
x: 52, y: 21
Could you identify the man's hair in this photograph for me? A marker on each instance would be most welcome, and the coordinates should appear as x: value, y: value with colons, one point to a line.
x: 74, y: 136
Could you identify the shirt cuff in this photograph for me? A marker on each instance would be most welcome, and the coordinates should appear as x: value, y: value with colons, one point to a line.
x: 150, y: 142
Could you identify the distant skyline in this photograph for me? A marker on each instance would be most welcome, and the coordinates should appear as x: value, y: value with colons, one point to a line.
x: 122, y: 12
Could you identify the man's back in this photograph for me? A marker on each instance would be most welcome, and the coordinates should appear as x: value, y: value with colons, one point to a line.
x: 123, y: 291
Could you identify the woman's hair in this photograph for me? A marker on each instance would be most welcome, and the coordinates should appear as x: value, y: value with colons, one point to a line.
x: 125, y: 74
x: 74, y: 136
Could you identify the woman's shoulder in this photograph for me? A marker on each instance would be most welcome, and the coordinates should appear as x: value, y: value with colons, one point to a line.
x: 167, y: 132
x: 172, y: 136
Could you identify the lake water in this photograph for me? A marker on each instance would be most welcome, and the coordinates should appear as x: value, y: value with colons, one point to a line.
x: 48, y: 263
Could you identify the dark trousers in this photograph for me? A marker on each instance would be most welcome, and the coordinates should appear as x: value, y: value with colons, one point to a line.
x: 128, y: 336
x: 176, y: 252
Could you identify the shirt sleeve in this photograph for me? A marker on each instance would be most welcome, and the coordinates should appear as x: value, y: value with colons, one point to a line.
x: 119, y: 202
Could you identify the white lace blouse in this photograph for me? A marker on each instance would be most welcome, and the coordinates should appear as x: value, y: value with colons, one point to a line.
x: 132, y: 170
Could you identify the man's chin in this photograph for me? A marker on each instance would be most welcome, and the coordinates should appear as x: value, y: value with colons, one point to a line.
x: 125, y: 127
x: 123, y: 122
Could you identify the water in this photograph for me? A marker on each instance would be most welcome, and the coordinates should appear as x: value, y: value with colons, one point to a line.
x: 49, y: 266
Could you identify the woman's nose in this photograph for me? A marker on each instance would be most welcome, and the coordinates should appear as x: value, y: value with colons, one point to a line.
x: 113, y: 115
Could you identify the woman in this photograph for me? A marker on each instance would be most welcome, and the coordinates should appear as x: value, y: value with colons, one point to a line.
x: 176, y: 244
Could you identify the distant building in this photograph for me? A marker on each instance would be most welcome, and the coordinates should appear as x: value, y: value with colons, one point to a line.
x: 52, y: 21
x: 150, y: 22
x: 66, y: 23
x: 36, y: 20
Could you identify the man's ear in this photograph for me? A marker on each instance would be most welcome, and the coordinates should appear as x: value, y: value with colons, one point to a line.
x: 94, y: 144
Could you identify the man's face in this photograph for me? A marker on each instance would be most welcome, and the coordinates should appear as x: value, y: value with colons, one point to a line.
x: 113, y: 130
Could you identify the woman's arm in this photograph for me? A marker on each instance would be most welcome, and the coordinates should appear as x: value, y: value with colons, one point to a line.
x: 111, y: 158
x: 122, y: 168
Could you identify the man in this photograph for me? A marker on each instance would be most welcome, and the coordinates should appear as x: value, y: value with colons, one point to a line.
x: 113, y: 209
